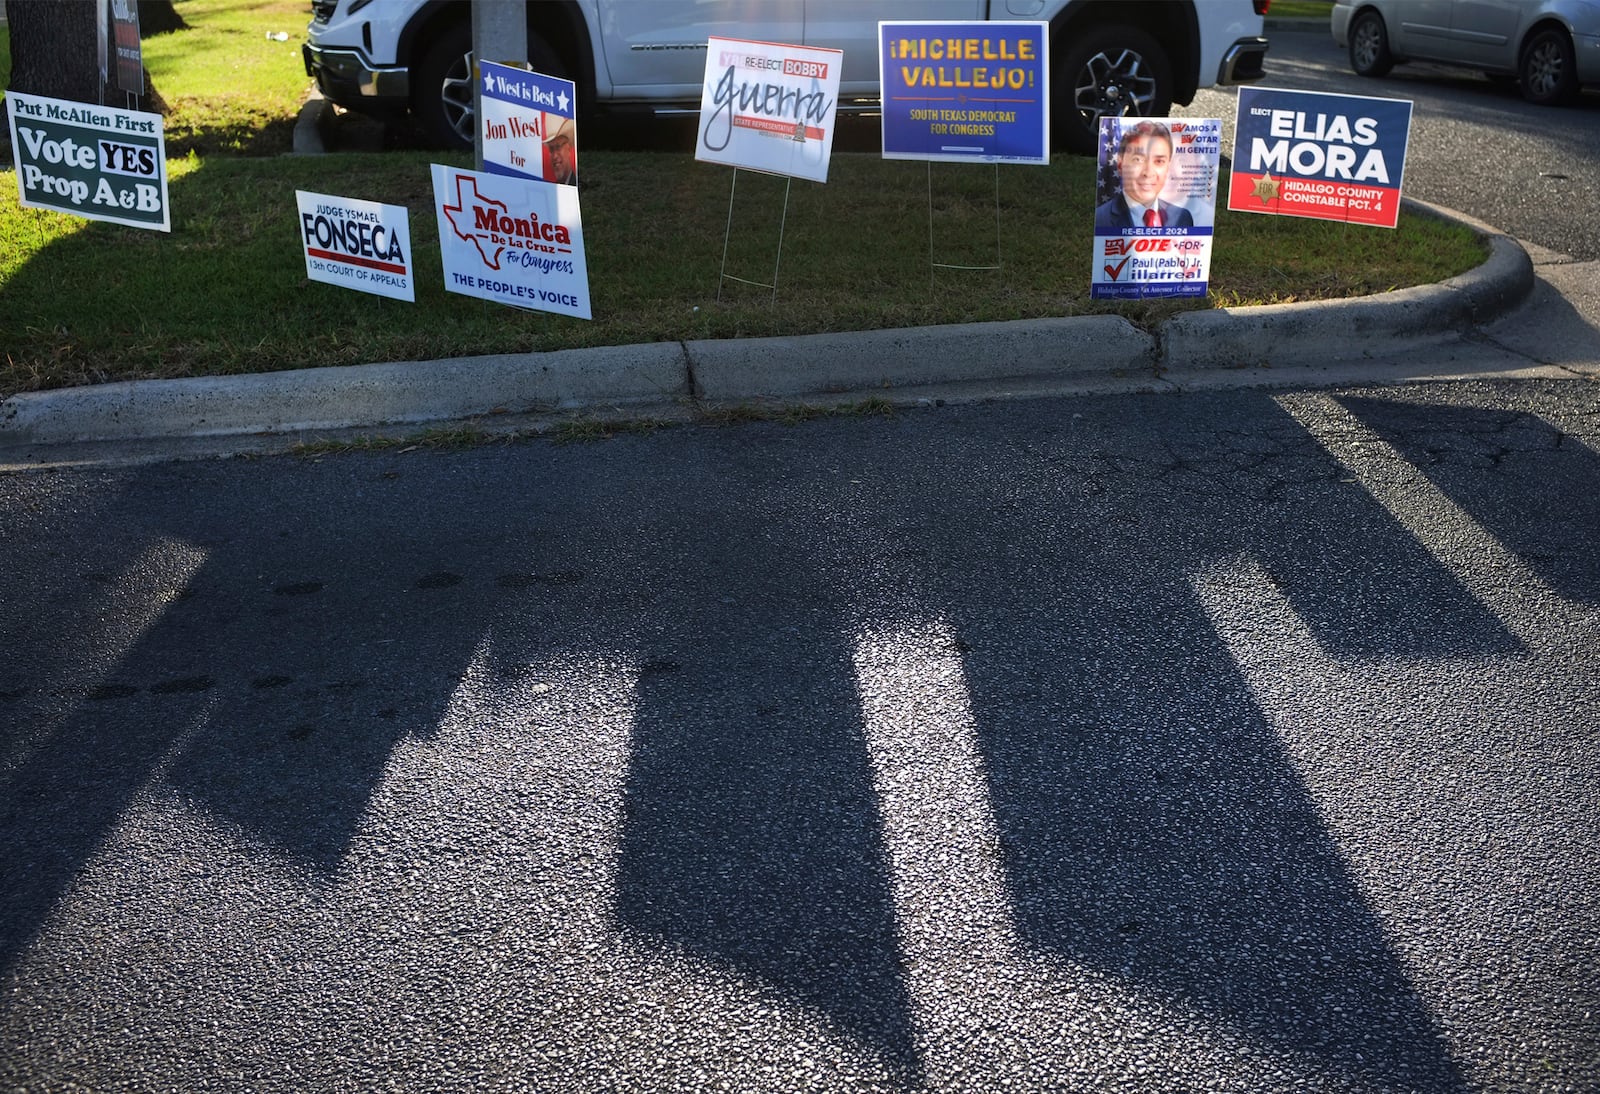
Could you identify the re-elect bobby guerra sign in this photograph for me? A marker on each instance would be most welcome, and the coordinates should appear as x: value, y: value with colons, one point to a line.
x: 769, y: 107
x: 1318, y: 155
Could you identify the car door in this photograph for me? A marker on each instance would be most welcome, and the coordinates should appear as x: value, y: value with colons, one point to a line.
x: 1419, y: 28
x: 852, y: 25
x: 655, y: 50
x: 1485, y: 32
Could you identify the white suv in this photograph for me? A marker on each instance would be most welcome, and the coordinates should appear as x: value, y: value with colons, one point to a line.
x: 390, y: 57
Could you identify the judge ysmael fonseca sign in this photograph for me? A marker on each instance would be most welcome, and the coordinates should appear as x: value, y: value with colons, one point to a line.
x: 90, y: 161
x: 355, y: 244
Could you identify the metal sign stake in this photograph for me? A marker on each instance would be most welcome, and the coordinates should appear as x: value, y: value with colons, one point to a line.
x: 932, y: 265
x: 727, y: 235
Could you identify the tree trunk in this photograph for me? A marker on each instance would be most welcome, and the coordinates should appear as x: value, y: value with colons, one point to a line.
x: 55, y: 49
x: 159, y: 17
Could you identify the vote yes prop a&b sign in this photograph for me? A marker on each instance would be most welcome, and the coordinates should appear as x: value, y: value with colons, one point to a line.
x: 1324, y: 156
x: 514, y: 241
x: 769, y: 107
x: 90, y: 161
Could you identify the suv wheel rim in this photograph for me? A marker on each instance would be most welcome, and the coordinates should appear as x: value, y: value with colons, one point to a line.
x: 1543, y: 71
x: 455, y: 96
x: 1366, y: 44
x: 1113, y: 88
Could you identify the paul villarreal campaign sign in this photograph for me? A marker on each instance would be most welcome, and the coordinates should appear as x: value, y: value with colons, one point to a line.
x: 1156, y: 207
x: 90, y: 161
x: 769, y: 107
x: 357, y: 244
x: 529, y: 124
x: 965, y: 92
x: 512, y: 240
x: 1318, y: 155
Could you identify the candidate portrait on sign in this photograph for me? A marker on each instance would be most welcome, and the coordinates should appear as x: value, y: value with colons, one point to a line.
x: 560, y: 150
x: 1143, y: 159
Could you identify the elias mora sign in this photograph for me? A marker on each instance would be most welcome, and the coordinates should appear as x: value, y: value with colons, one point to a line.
x: 1318, y: 155
x: 90, y: 161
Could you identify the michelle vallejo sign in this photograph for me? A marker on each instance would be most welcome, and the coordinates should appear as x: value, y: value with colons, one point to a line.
x: 965, y: 92
x: 769, y: 107
x: 90, y: 161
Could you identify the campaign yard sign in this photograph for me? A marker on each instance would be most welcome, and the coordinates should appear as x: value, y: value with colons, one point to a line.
x: 965, y: 92
x: 1319, y: 155
x: 769, y: 107
x: 90, y: 161
x: 1156, y: 207
x: 360, y: 245
x: 529, y: 123
x: 514, y: 241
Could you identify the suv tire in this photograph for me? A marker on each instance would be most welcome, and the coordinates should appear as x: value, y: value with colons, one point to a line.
x: 1111, y: 71
x: 1547, y: 68
x: 442, y: 92
x: 1369, y: 45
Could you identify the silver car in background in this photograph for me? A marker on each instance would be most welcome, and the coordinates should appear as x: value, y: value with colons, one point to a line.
x: 1550, y: 47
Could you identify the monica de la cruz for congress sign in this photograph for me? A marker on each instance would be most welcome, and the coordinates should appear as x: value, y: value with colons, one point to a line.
x: 357, y: 244
x: 769, y: 107
x: 965, y: 92
x: 514, y: 241
x: 1319, y: 155
x: 90, y: 161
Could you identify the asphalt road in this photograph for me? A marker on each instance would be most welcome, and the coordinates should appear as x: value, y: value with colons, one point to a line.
x: 1226, y: 741
x: 1476, y: 146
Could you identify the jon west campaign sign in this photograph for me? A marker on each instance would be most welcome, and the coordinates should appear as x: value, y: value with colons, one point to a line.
x: 769, y: 107
x: 514, y: 241
x: 965, y: 92
x: 529, y: 124
x: 1319, y: 155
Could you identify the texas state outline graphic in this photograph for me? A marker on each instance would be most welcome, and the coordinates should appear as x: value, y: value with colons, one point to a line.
x: 476, y: 238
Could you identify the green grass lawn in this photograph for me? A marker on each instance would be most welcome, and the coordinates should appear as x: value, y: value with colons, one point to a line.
x: 226, y: 291
x: 1300, y: 9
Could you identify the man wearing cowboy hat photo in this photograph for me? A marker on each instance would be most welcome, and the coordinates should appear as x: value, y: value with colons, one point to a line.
x: 560, y: 152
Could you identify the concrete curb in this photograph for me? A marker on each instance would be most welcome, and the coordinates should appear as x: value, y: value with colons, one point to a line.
x: 1364, y: 327
x: 1082, y: 349
x: 311, y: 125
x: 351, y: 396
x: 863, y: 361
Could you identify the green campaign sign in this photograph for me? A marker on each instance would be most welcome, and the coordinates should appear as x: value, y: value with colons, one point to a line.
x: 90, y: 161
